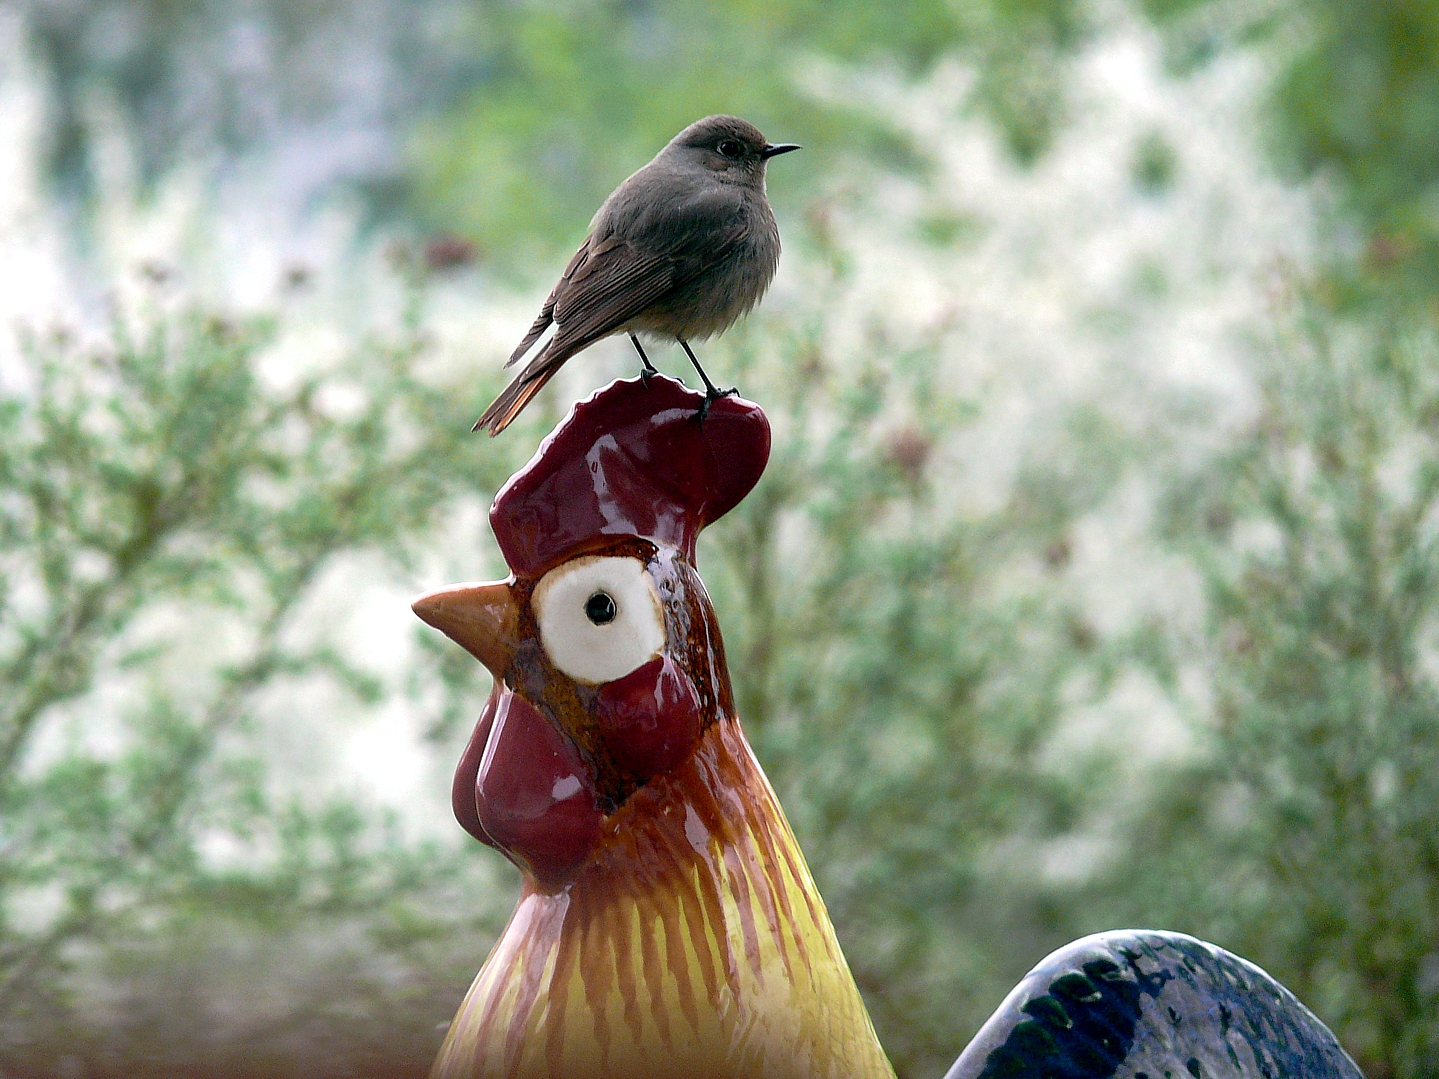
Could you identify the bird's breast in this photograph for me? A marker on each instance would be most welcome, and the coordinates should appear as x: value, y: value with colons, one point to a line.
x: 716, y: 297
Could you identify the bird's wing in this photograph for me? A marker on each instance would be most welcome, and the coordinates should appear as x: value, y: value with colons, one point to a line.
x: 608, y: 282
x: 626, y: 269
x: 547, y: 312
x: 1139, y: 1003
x: 613, y: 284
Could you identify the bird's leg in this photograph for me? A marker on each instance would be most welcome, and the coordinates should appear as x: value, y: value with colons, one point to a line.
x: 710, y: 390
x: 649, y: 368
x: 711, y: 394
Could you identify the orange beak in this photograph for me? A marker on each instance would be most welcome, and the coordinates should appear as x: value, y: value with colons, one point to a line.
x: 481, y: 618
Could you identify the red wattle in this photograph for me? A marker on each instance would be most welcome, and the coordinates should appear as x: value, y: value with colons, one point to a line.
x: 534, y: 795
x: 467, y: 775
x: 650, y: 718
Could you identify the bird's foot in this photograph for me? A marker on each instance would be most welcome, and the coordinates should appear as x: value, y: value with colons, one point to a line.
x: 646, y: 368
x: 711, y: 396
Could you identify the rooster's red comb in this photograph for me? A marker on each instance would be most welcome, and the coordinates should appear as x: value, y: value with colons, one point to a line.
x: 633, y: 460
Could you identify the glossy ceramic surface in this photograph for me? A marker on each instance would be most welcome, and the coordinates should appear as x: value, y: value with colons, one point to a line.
x: 632, y: 461
x: 1147, y: 1004
x: 668, y: 923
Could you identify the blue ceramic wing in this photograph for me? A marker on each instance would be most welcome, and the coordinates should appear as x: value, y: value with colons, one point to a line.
x: 1140, y: 1004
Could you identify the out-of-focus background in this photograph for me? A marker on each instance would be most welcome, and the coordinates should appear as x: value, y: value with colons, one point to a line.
x: 1094, y: 581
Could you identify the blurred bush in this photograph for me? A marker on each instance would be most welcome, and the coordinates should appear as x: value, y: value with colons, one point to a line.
x: 166, y: 515
x: 1306, y: 834
x: 1307, y: 837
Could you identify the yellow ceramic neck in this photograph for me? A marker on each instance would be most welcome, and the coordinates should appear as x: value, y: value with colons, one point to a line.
x: 693, y: 944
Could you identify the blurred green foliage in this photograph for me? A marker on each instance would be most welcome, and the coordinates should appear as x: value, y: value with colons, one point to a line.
x: 1355, y: 98
x: 1308, y: 839
x: 165, y: 517
x: 521, y: 115
x: 576, y: 96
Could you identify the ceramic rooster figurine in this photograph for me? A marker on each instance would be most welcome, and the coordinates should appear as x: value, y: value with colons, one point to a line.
x: 668, y: 926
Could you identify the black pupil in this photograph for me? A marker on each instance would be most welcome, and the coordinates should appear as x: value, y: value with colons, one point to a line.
x: 600, y: 609
x: 729, y: 148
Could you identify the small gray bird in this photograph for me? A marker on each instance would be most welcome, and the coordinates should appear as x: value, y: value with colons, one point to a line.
x: 680, y: 250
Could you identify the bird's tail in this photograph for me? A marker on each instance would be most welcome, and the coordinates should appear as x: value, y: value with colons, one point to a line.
x: 511, y: 402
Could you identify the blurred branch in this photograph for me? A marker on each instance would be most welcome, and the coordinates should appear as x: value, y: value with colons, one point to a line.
x: 18, y: 965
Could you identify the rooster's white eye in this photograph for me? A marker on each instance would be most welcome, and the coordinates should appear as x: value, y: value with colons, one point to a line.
x: 599, y: 617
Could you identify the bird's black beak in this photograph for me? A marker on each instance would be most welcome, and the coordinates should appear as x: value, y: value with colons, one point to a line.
x: 774, y: 150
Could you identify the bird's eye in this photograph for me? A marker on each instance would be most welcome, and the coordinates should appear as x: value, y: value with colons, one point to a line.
x: 599, y: 617
x: 730, y: 148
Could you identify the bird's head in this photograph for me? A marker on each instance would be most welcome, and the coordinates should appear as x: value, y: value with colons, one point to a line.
x: 604, y: 647
x: 728, y: 147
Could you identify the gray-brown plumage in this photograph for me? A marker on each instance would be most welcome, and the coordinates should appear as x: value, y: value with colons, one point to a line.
x: 680, y: 250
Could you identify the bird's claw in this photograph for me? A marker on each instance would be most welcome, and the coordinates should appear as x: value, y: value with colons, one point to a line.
x: 711, y: 396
